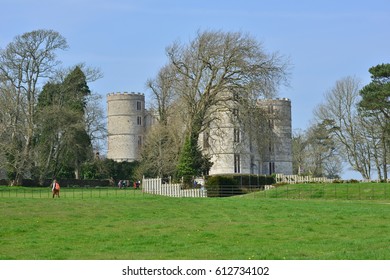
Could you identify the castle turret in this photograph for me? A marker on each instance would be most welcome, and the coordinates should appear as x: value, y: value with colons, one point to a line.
x: 126, y: 128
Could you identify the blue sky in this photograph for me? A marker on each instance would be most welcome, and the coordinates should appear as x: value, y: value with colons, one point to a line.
x: 325, y: 40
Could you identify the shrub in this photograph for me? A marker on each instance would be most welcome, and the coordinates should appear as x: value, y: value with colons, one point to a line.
x: 236, y: 184
x: 353, y: 181
x: 222, y: 186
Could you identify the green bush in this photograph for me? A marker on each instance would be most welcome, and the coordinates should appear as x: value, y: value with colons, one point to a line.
x: 235, y: 184
x: 353, y: 181
x: 253, y: 180
x: 222, y: 186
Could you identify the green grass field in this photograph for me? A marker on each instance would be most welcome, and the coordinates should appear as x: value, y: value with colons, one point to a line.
x: 346, y: 191
x: 117, y: 224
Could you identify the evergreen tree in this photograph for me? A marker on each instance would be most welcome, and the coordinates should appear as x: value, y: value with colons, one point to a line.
x: 376, y: 95
x: 63, y: 143
x: 192, y: 162
x: 376, y: 102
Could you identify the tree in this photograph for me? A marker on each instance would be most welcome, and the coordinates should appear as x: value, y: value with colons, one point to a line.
x: 376, y: 95
x: 323, y: 158
x: 214, y: 69
x: 192, y: 162
x: 95, y: 121
x: 376, y: 103
x: 24, y: 64
x: 120, y: 170
x: 162, y: 88
x: 63, y: 142
x: 160, y: 151
x: 299, y: 152
x: 339, y: 111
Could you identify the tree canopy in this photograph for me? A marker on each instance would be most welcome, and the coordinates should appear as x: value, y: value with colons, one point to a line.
x: 45, y: 121
x: 24, y: 63
x: 63, y: 141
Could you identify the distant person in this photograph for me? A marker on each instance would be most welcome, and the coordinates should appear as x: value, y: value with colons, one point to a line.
x: 55, y: 188
x: 120, y: 184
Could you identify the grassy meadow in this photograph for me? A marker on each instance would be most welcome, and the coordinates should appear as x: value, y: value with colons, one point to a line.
x: 119, y: 224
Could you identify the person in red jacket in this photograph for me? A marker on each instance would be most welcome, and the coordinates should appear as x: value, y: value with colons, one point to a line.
x: 55, y: 189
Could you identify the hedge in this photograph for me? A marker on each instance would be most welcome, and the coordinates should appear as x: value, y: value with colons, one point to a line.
x: 236, y: 184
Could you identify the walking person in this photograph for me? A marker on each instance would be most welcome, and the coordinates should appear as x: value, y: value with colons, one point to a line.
x: 55, y: 188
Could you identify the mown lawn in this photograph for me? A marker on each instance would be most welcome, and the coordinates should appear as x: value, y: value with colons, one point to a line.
x: 137, y: 226
x: 342, y: 191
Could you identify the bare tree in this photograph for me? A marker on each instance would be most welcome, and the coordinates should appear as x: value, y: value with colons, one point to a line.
x: 162, y: 88
x: 164, y: 139
x: 161, y: 149
x: 348, y: 126
x: 373, y: 136
x: 299, y: 145
x: 11, y: 127
x: 24, y: 64
x: 216, y: 63
x: 95, y: 121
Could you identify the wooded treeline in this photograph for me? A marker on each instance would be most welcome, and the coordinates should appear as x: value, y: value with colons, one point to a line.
x: 51, y: 125
x: 351, y: 127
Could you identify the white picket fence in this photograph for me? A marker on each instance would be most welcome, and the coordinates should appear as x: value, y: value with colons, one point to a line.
x: 296, y: 179
x: 155, y: 186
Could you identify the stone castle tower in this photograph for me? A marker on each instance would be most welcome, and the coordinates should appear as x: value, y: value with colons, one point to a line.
x: 125, y: 125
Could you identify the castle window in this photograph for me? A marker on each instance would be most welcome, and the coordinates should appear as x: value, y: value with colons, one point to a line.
x: 236, y: 135
x: 237, y: 163
x: 235, y: 113
x: 139, y: 105
x: 139, y: 142
x: 271, y: 109
x: 206, y: 139
x: 139, y: 120
x: 270, y: 148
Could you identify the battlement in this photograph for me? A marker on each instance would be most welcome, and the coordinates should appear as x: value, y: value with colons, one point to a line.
x: 125, y: 96
x: 274, y: 100
x: 126, y: 93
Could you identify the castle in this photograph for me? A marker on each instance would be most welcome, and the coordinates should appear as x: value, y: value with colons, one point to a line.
x: 232, y: 148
